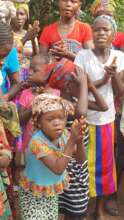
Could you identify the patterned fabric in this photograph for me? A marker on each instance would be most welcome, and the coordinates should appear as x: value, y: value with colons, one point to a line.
x: 5, y: 212
x: 37, y: 177
x: 10, y: 118
x: 74, y: 200
x: 60, y: 72
x: 32, y: 208
x: 103, y: 6
x: 101, y: 160
x: 48, y: 102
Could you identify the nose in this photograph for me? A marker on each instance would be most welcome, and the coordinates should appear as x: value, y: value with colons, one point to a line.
x: 68, y: 3
x: 56, y: 122
x: 101, y: 32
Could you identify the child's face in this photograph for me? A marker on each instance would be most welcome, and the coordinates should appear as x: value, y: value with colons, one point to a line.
x: 70, y: 88
x: 37, y: 71
x: 69, y: 8
x: 4, y: 51
x: 53, y: 123
x: 103, y: 34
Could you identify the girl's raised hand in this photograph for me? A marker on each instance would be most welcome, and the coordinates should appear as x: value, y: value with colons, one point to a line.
x: 77, y: 129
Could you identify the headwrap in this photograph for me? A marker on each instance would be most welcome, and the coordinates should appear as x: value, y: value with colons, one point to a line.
x: 23, y: 6
x: 48, y: 102
x: 7, y: 11
x: 59, y: 72
x: 103, y: 6
x: 107, y: 18
x: 20, y: 1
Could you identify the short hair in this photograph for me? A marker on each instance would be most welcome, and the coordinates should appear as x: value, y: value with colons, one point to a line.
x: 6, y: 34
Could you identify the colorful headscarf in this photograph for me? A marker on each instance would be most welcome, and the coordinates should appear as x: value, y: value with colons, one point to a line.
x: 107, y: 18
x: 24, y: 6
x: 7, y: 11
x: 48, y: 102
x: 103, y: 6
x: 59, y: 72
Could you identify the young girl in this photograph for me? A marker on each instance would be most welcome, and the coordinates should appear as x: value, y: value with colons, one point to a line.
x: 37, y: 67
x: 67, y: 31
x: 48, y: 154
x: 103, y: 65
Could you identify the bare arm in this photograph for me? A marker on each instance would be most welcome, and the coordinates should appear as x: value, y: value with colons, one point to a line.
x: 24, y: 115
x: 99, y: 104
x: 82, y: 104
x: 14, y: 80
x: 80, y: 155
x: 59, y: 164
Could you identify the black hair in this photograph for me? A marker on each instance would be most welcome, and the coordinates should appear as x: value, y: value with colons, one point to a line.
x: 6, y: 34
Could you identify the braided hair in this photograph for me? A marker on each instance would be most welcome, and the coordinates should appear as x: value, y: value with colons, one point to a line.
x: 6, y: 35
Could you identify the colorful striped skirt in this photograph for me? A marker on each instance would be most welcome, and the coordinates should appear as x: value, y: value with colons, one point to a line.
x: 101, y: 160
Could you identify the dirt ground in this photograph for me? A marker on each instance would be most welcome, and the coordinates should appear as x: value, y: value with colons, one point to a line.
x: 108, y: 217
x: 120, y: 205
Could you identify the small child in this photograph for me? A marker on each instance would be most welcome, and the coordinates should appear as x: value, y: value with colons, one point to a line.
x: 48, y: 154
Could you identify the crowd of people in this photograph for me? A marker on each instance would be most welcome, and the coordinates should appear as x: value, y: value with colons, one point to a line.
x: 61, y: 113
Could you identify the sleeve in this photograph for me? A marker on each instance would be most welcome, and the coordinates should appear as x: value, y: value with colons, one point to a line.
x: 44, y: 37
x: 120, y: 61
x: 13, y: 62
x: 88, y: 33
x: 23, y: 99
x: 79, y: 59
x: 40, y: 149
x: 26, y: 98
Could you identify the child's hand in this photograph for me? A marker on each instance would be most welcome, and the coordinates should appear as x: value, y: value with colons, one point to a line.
x: 79, y: 76
x: 77, y: 129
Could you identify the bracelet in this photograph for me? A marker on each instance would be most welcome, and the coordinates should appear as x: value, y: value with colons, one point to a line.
x: 67, y: 156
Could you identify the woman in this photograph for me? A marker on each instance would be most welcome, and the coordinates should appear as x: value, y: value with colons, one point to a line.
x: 24, y: 40
x: 67, y: 32
x: 104, y: 68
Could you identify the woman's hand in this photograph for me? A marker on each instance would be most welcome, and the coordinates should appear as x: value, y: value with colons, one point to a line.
x: 111, y: 71
x: 32, y: 32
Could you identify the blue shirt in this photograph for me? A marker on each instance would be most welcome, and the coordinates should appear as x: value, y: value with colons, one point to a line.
x: 10, y: 66
x: 37, y: 177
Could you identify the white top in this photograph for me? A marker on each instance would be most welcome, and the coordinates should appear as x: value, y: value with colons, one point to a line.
x: 87, y: 60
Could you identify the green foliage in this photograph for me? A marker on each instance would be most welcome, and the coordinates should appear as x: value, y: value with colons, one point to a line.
x: 119, y: 14
x: 46, y: 11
